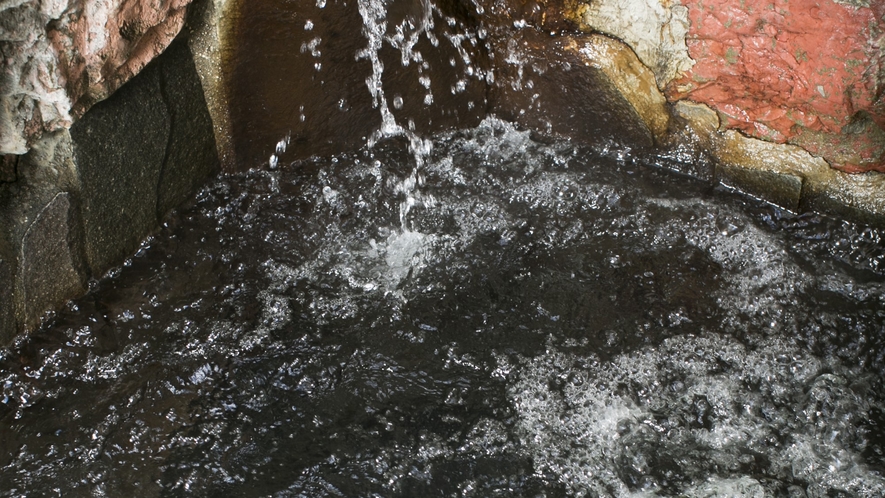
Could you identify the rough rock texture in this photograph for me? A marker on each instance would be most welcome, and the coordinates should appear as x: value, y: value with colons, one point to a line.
x: 62, y: 56
x: 7, y: 305
x: 8, y: 165
x: 632, y: 79
x: 83, y: 199
x: 49, y: 270
x: 140, y: 153
x: 119, y: 147
x: 654, y: 29
x: 782, y: 174
x: 805, y: 72
x: 808, y: 72
x: 39, y: 236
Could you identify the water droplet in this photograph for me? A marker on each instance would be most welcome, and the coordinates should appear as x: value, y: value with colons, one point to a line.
x: 398, y: 102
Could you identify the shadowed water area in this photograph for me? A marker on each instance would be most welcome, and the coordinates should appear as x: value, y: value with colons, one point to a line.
x: 550, y: 321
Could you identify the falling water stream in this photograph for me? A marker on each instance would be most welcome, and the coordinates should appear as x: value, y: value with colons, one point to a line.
x: 472, y: 313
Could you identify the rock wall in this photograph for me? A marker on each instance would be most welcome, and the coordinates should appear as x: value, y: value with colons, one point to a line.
x: 63, y: 56
x: 804, y: 72
x: 783, y: 100
x: 82, y: 200
x: 728, y: 90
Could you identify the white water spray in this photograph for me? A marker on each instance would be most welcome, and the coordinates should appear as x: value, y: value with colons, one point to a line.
x: 406, y: 36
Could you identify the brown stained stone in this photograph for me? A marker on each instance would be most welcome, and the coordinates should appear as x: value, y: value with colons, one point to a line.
x: 48, y: 269
x: 543, y: 83
x: 783, y: 174
x: 635, y: 82
x: 211, y: 39
x: 315, y: 90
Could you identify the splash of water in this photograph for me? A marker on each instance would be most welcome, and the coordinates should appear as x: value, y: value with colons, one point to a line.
x: 405, y: 37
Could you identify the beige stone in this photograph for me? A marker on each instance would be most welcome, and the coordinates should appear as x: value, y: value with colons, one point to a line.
x: 786, y: 175
x: 654, y: 29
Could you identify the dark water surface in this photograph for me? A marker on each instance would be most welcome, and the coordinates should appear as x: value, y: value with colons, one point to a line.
x: 550, y: 321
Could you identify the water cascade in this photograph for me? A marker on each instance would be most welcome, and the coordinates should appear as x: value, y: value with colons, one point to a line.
x: 452, y: 304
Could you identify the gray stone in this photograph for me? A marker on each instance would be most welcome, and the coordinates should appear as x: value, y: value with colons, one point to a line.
x: 48, y: 263
x: 781, y: 189
x: 7, y: 317
x: 191, y: 156
x: 39, y: 244
x: 119, y: 149
x: 8, y: 163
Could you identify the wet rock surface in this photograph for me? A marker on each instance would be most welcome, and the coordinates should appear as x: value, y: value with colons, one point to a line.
x: 807, y: 73
x: 566, y: 95
x: 8, y: 165
x: 793, y: 72
x: 8, y: 323
x: 316, y: 92
x: 191, y: 155
x: 141, y: 153
x: 119, y: 150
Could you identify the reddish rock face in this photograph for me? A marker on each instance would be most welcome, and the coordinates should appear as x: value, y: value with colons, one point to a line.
x: 808, y: 72
x: 104, y: 43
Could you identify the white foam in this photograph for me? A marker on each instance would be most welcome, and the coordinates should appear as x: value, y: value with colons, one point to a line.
x: 644, y: 405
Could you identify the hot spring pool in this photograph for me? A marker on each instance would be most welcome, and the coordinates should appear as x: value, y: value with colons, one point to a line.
x: 513, y: 318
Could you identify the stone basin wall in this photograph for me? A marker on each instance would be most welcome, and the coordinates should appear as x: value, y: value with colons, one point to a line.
x: 104, y: 129
x: 62, y: 56
x: 113, y: 111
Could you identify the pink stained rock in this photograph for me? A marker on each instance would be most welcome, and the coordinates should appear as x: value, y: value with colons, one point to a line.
x: 104, y: 43
x: 807, y: 72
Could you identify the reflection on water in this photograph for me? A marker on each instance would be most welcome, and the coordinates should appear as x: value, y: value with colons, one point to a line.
x: 551, y: 321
